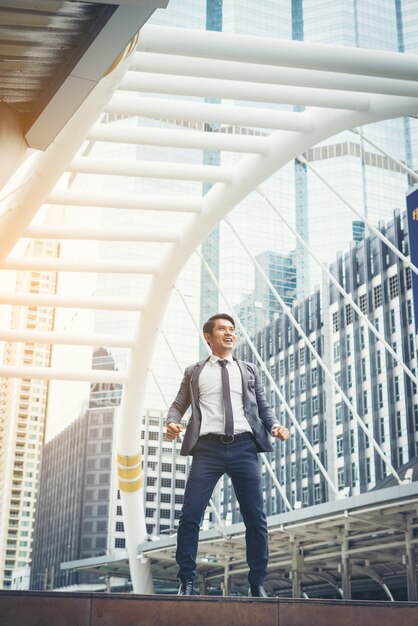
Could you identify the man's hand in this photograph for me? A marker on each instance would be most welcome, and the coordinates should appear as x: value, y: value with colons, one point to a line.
x: 173, y: 430
x: 281, y: 432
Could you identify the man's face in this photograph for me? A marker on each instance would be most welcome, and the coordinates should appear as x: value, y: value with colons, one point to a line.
x: 223, y: 338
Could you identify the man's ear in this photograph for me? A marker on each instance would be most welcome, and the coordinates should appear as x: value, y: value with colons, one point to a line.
x: 207, y: 337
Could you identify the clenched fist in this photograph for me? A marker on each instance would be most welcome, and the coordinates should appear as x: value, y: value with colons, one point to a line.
x: 173, y: 430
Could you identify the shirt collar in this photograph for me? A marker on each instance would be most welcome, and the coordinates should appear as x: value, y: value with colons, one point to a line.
x: 214, y: 359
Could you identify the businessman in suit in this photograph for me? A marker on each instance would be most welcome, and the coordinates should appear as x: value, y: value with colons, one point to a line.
x: 231, y: 421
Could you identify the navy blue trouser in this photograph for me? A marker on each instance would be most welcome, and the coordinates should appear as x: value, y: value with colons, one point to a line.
x: 212, y: 459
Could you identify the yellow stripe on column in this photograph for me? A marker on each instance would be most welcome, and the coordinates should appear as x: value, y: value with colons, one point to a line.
x: 130, y: 472
x: 128, y: 461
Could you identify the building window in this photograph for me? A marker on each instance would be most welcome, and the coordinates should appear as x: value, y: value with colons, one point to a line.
x: 337, y: 351
x: 396, y: 389
x: 305, y: 499
x: 340, y: 477
x: 363, y: 303
x: 291, y: 362
x: 393, y: 287
x: 363, y: 370
x: 340, y: 446
x: 304, y: 468
x: 339, y: 411
x: 352, y: 442
x: 166, y: 482
x: 335, y: 325
x: 120, y: 542
x: 165, y: 513
x: 149, y: 512
x: 380, y: 395
x: 382, y: 429
x: 398, y: 424
x: 150, y: 497
x: 362, y: 338
x: 379, y: 362
x: 365, y: 403
x: 377, y: 296
x: 302, y: 410
x: 317, y: 493
x: 348, y: 345
x: 313, y: 376
x: 314, y: 405
x: 293, y: 471
x: 354, y: 474
x: 301, y: 357
x: 315, y: 433
x: 165, y: 497
x: 408, y: 280
x: 180, y: 484
x: 368, y: 471
x: 400, y: 456
x: 120, y: 527
x: 302, y: 382
x: 349, y: 376
x: 348, y: 314
x: 166, y: 467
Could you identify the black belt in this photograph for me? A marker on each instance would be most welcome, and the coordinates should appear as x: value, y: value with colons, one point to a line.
x: 227, y: 439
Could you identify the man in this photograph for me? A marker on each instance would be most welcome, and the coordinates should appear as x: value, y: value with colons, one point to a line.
x: 230, y: 422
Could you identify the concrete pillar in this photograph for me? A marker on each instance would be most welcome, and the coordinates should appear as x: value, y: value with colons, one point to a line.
x: 411, y: 574
x: 297, y: 569
x: 345, y: 566
x: 226, y: 579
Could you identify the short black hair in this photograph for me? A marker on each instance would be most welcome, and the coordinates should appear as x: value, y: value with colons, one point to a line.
x: 210, y: 324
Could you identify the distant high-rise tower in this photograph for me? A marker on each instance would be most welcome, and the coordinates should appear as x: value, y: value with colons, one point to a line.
x: 22, y: 420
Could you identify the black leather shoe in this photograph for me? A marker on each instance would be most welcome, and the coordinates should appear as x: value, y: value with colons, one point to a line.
x: 186, y: 588
x: 257, y: 591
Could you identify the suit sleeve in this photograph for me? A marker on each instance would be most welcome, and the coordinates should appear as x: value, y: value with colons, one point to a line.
x: 265, y: 412
x: 181, y: 402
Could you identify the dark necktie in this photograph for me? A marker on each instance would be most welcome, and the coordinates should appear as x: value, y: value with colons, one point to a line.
x: 226, y: 394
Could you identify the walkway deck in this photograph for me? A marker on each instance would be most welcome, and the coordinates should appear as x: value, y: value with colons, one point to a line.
x: 19, y: 608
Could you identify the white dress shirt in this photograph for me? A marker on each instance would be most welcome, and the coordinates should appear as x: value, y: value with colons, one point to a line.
x: 211, y: 398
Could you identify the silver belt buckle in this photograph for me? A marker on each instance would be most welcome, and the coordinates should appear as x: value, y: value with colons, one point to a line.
x: 227, y: 439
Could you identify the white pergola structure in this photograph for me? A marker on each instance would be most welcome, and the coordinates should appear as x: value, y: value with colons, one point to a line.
x: 170, y: 76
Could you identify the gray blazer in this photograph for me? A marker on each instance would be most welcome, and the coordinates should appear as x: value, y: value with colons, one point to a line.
x: 258, y: 412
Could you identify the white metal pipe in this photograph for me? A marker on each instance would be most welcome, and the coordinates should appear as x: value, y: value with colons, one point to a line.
x: 271, y: 51
x: 175, y: 84
x: 70, y: 339
x: 151, y: 169
x: 174, y: 138
x: 72, y: 302
x: 63, y: 265
x: 145, y: 202
x: 46, y: 373
x: 171, y: 109
x: 102, y: 233
x: 273, y: 74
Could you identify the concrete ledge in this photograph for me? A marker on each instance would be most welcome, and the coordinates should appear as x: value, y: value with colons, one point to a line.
x: 93, y: 609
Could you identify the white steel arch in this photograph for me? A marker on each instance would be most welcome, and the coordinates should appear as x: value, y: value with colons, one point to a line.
x: 341, y: 88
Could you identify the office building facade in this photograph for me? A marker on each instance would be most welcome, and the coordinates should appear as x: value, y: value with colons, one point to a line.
x: 379, y: 389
